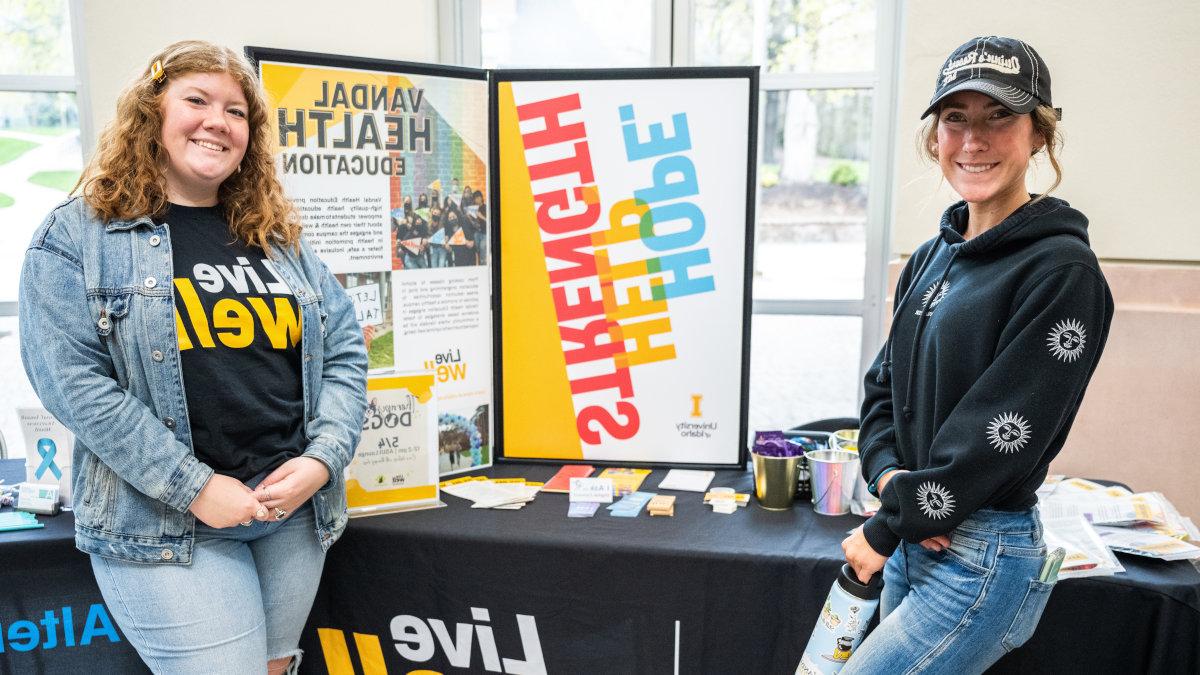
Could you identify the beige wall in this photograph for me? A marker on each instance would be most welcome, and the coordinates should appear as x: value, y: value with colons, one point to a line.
x: 1124, y: 74
x: 119, y: 36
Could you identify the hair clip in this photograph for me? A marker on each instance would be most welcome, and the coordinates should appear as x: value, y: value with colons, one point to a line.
x: 1058, y: 113
x: 156, y: 71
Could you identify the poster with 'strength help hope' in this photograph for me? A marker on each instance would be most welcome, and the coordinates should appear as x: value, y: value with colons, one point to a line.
x: 625, y: 200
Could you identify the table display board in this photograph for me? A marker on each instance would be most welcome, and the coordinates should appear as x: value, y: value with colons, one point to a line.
x: 625, y: 209
x: 395, y: 465
x: 387, y: 163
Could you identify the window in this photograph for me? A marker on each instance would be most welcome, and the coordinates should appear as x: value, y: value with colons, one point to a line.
x: 40, y: 161
x: 825, y: 153
x: 566, y: 33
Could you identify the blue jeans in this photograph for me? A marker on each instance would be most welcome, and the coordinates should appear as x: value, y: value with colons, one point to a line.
x: 244, y: 600
x: 960, y: 610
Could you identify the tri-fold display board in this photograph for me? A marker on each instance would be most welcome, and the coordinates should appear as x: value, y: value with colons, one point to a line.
x: 614, y: 208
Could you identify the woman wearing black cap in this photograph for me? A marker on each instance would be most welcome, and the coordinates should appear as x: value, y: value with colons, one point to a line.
x: 999, y: 323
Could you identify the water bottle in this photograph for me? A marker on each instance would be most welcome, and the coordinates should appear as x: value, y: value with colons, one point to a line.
x: 842, y: 624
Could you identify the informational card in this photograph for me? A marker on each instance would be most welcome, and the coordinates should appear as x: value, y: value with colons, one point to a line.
x: 395, y: 465
x: 48, y: 450
x: 599, y: 490
x: 582, y: 509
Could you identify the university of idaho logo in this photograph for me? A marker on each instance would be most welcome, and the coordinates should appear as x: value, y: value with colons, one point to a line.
x: 1066, y: 340
x: 1008, y: 433
x: 935, y: 501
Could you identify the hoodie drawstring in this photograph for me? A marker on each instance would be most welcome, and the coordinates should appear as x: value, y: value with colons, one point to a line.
x: 886, y: 365
x: 916, y: 354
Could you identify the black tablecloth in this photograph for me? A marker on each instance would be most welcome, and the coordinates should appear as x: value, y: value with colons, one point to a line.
x: 736, y: 593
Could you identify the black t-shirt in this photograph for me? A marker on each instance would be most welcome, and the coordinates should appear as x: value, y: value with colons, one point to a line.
x: 239, y: 342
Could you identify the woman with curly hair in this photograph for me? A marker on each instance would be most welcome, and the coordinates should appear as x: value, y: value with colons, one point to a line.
x: 206, y: 509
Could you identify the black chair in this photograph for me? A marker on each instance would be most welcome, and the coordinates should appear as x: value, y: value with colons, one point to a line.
x: 829, y: 425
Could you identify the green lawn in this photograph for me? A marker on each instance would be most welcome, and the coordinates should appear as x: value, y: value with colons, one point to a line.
x: 381, y: 354
x: 57, y: 180
x: 5, y: 200
x: 12, y: 148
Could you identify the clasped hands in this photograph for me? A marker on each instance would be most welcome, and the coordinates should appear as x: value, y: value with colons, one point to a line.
x: 226, y: 502
x: 864, y: 560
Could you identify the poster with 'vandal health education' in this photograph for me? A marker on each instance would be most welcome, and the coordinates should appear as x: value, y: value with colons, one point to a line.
x: 387, y: 163
x: 625, y: 209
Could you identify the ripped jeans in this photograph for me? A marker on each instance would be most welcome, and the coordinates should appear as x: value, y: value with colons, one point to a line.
x: 244, y: 600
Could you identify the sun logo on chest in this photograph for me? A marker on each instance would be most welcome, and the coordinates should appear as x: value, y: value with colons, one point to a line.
x: 1066, y: 340
x: 935, y: 501
x: 935, y: 294
x: 1008, y: 433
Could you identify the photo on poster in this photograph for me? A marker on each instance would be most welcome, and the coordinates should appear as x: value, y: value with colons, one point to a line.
x: 625, y: 204
x: 371, y: 294
x: 441, y: 230
x: 463, y: 440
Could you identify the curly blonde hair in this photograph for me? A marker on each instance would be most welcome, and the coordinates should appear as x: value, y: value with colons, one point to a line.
x: 124, y: 179
x: 1045, y: 124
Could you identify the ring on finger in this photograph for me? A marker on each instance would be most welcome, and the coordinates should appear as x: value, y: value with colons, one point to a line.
x: 246, y: 524
x: 280, y: 514
x: 261, y: 513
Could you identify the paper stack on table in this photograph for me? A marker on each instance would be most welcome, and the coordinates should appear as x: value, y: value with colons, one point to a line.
x: 688, y: 480
x: 484, y: 493
x: 662, y: 505
x: 1143, y: 523
x: 625, y: 480
x: 561, y: 481
x: 725, y: 500
x: 18, y: 520
x: 1087, y: 556
x: 630, y: 505
x: 1148, y: 544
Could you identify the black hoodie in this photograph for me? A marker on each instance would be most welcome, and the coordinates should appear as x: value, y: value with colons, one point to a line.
x: 992, y: 344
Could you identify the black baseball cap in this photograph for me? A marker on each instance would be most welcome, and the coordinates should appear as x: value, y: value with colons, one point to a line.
x: 1008, y: 70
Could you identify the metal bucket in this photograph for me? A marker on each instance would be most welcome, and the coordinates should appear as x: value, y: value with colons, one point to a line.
x: 834, y: 474
x: 775, y: 481
x: 847, y: 439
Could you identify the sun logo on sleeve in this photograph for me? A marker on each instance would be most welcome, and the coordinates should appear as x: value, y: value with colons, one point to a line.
x: 1008, y: 433
x: 935, y: 501
x: 1066, y: 340
x: 935, y: 294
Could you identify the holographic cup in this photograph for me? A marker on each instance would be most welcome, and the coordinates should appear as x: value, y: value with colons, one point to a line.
x: 834, y: 474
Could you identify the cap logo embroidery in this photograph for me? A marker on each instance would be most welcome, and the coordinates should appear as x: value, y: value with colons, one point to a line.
x: 1010, y: 65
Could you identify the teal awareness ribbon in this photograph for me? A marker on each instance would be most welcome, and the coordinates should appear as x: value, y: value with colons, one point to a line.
x: 47, y: 449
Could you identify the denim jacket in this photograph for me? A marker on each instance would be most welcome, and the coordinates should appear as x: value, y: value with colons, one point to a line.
x: 98, y: 340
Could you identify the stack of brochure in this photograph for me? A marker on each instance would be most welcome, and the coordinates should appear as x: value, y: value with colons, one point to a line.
x: 1089, y: 519
x: 492, y: 493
